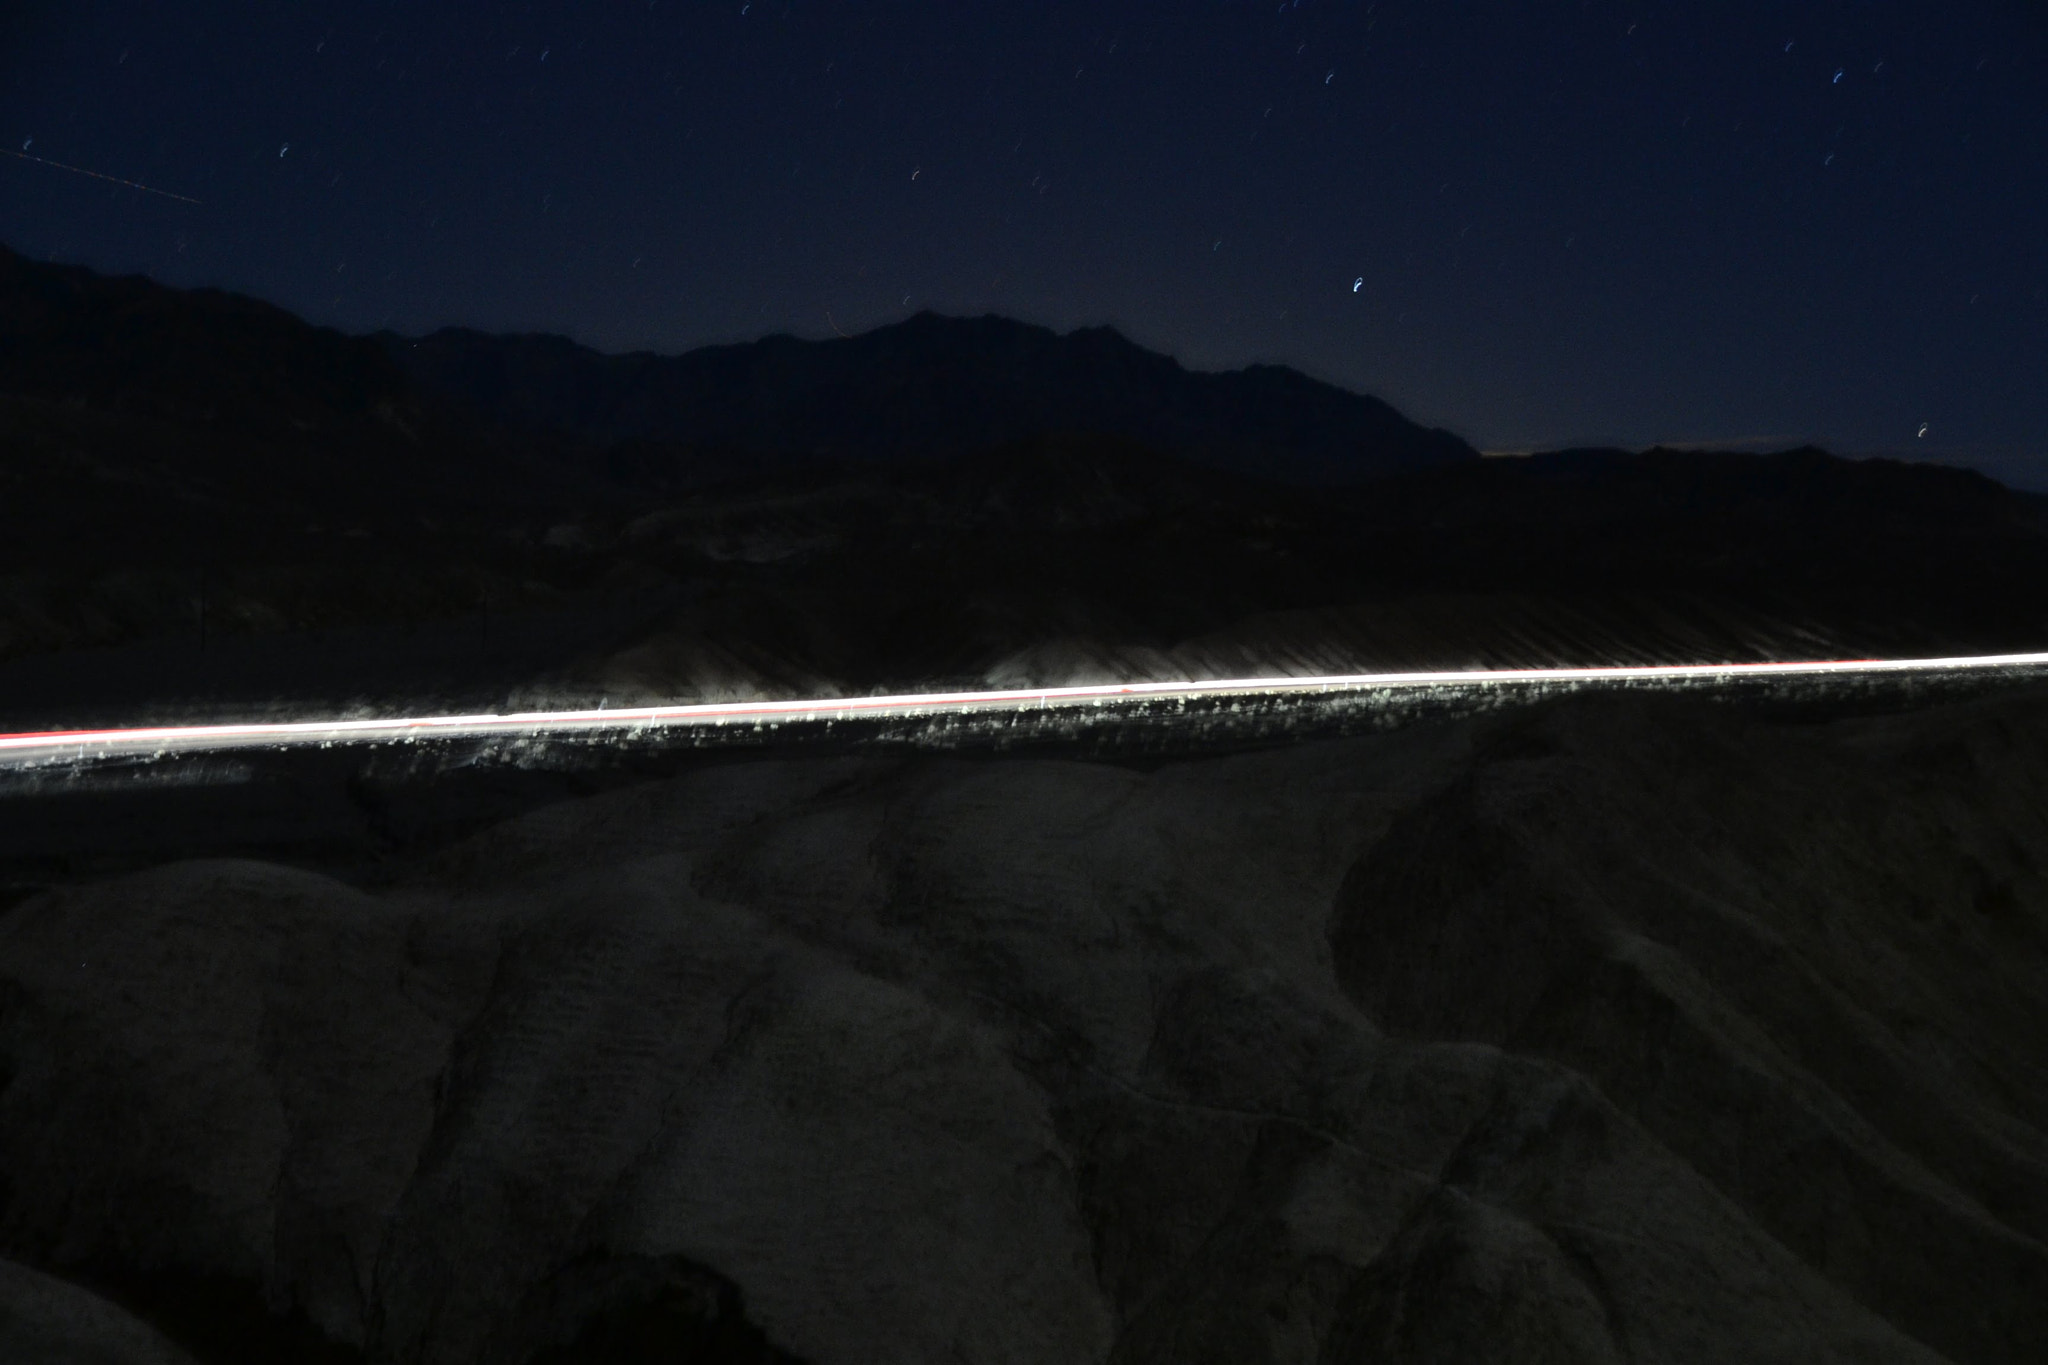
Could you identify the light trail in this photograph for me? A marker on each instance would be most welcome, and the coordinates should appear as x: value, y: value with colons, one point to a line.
x: 39, y: 747
x: 80, y: 170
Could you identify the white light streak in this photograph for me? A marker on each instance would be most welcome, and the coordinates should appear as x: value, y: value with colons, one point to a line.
x: 23, y: 155
x: 31, y: 748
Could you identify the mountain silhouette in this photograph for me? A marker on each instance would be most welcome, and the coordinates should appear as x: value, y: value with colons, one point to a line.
x: 928, y: 387
x: 132, y: 346
x: 1594, y: 1027
x: 228, y: 491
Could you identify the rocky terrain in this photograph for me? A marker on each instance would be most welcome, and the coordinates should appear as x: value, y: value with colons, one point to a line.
x: 1620, y: 1028
x: 1616, y: 1027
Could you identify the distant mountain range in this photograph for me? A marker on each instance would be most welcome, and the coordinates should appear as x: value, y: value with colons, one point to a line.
x: 926, y: 388
x: 929, y: 387
x: 1607, y: 1027
x: 130, y: 346
x: 944, y: 501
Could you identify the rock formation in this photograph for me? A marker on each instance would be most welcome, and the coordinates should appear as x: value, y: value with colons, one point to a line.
x: 1615, y: 1029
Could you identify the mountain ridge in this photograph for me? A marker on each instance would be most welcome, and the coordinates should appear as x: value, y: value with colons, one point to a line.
x: 930, y: 385
x: 293, y: 517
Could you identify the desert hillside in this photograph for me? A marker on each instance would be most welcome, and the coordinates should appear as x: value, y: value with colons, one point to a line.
x: 1614, y: 1029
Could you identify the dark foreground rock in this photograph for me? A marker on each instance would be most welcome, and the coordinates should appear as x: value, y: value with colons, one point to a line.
x: 46, y: 1321
x: 1617, y: 1029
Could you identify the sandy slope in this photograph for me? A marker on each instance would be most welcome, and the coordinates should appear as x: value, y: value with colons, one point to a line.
x: 1619, y: 1029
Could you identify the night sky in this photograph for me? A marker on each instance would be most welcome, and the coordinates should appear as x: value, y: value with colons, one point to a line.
x: 1533, y: 223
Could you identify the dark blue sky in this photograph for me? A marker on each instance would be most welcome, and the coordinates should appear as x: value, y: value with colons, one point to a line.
x: 1533, y: 223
